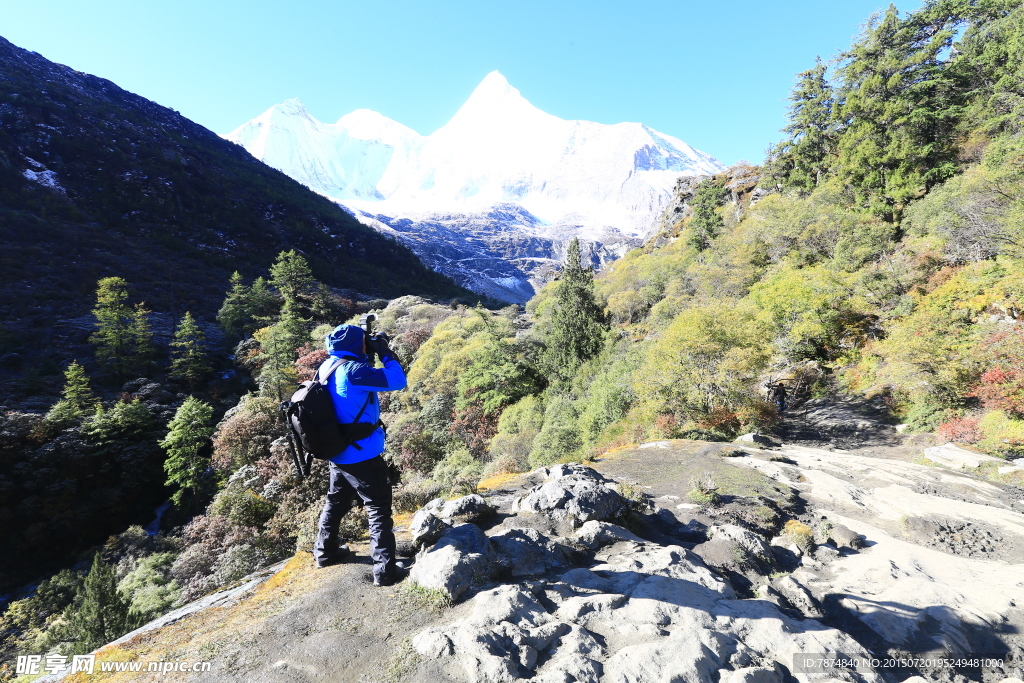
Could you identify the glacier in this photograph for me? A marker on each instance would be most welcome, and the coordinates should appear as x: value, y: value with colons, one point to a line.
x: 492, y: 197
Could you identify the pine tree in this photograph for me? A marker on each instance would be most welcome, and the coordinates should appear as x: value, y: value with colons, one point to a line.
x: 900, y: 108
x: 189, y: 360
x: 140, y: 333
x: 186, y: 443
x: 705, y: 221
x: 113, y: 321
x: 245, y: 309
x: 76, y: 388
x: 802, y: 161
x: 77, y: 398
x: 578, y: 322
x: 292, y: 278
x: 100, y: 613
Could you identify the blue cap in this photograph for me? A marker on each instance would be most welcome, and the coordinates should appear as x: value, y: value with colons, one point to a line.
x: 345, y: 339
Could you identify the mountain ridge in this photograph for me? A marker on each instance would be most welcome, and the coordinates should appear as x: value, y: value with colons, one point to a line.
x: 589, y: 179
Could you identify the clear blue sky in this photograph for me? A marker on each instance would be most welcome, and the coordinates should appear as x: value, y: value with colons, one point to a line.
x: 714, y: 74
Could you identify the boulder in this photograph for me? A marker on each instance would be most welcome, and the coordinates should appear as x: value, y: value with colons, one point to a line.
x: 733, y: 548
x: 573, y: 494
x: 751, y: 674
x: 755, y: 439
x: 956, y: 457
x: 798, y: 596
x: 462, y: 554
x: 528, y: 552
x: 594, y: 534
x: 426, y: 528
x: 844, y: 537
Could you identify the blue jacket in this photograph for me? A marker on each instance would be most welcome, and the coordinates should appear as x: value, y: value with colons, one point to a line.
x: 350, y: 386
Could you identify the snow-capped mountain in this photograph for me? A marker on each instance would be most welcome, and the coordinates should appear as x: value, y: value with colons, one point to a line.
x: 500, y: 169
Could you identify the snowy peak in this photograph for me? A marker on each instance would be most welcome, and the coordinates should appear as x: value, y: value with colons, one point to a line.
x: 366, y: 124
x: 498, y: 148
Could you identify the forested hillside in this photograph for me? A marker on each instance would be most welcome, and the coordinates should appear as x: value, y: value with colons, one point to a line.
x: 877, y: 253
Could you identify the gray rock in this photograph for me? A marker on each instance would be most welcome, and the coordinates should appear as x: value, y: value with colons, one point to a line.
x: 470, y: 508
x: 751, y: 674
x: 825, y: 553
x: 426, y: 528
x: 528, y: 551
x: 596, y: 534
x: 573, y: 494
x: 756, y: 439
x: 734, y: 548
x: 798, y: 596
x: 844, y: 537
x: 462, y: 555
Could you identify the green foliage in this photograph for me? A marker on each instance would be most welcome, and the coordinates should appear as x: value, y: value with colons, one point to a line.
x: 705, y: 221
x: 518, y: 427
x: 77, y: 399
x: 187, y: 444
x: 246, y: 309
x: 99, y: 614
x: 707, y: 359
x: 559, y: 437
x: 292, y: 278
x: 113, y: 320
x: 577, y: 323
x: 149, y: 586
x: 189, y: 355
x: 802, y: 161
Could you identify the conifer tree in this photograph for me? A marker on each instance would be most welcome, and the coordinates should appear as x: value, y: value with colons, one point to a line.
x: 77, y: 398
x: 292, y: 278
x: 705, y: 221
x: 113, y: 322
x: 186, y: 443
x: 189, y: 358
x: 76, y: 388
x: 100, y: 613
x: 897, y: 101
x: 578, y: 322
x: 802, y: 161
x: 140, y: 332
x: 245, y: 309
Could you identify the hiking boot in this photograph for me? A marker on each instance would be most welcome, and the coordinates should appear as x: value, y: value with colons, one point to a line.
x: 390, y: 578
x: 337, y: 557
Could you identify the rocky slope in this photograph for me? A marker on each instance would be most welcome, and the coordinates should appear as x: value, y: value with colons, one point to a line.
x: 616, y: 573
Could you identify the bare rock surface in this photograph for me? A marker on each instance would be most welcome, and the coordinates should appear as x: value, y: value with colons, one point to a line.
x: 809, y: 549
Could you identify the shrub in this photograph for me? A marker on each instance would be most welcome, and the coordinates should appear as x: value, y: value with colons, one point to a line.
x: 800, y: 534
x: 960, y: 429
x: 149, y: 587
x: 1002, y: 434
x: 246, y: 432
x: 704, y: 490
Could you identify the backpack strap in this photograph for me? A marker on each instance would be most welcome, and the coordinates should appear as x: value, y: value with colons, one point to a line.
x: 324, y: 377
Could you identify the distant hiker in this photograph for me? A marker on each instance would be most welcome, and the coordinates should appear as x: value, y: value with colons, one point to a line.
x: 777, y: 395
x: 360, y: 470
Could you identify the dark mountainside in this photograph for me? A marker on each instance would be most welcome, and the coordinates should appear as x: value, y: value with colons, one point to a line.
x: 96, y: 181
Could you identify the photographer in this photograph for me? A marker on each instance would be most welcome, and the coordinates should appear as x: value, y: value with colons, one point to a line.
x: 360, y: 470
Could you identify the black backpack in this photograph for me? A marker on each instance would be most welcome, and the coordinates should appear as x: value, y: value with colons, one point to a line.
x: 310, y: 416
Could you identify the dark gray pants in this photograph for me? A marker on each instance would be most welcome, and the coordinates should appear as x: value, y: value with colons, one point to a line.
x: 368, y: 480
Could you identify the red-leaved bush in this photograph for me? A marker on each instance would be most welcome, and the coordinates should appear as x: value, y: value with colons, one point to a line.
x: 1002, y: 386
x: 308, y: 362
x: 960, y: 429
